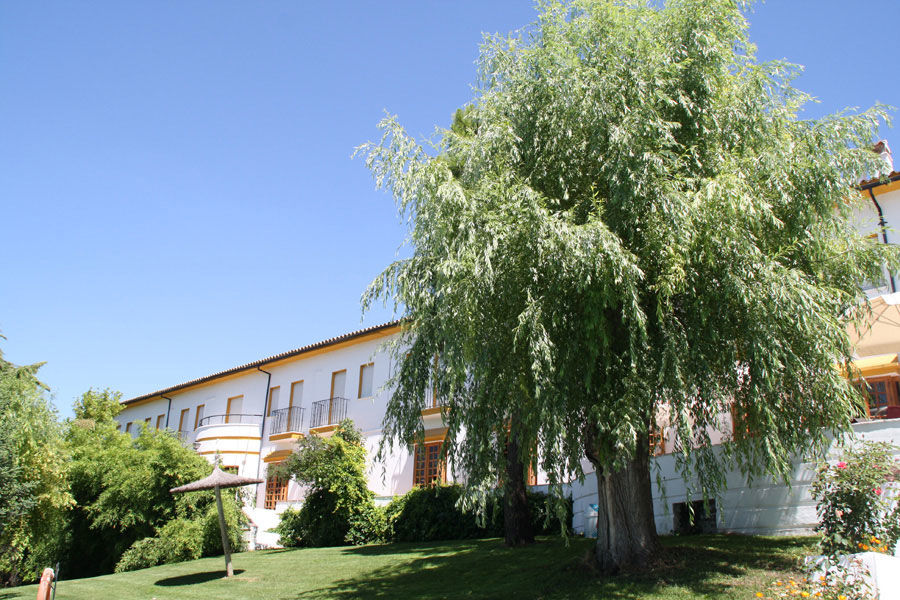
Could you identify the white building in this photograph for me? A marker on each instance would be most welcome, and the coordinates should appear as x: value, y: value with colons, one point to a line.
x: 251, y: 416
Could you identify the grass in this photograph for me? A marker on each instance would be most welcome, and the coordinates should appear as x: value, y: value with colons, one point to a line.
x: 709, y: 566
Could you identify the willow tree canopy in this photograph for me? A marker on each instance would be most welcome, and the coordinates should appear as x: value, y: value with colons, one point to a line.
x: 634, y: 220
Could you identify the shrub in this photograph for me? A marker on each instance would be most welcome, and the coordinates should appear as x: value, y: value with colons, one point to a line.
x: 854, y: 511
x: 426, y: 514
x: 177, y: 541
x: 333, y: 470
x: 235, y: 521
x: 433, y: 513
x: 368, y: 526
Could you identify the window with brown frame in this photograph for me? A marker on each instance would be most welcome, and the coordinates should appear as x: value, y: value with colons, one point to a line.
x: 531, y: 478
x: 657, y: 441
x: 159, y: 421
x: 276, y: 491
x: 128, y: 427
x: 274, y: 394
x: 366, y: 373
x: 880, y: 392
x: 428, y: 465
x: 296, y: 398
x: 183, y: 419
x: 233, y: 408
x: 199, y: 415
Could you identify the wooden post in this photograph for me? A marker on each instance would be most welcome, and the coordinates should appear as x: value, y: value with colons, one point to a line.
x: 229, y: 570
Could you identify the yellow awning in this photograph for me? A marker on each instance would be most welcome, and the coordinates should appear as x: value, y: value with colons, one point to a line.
x: 882, y: 364
x: 277, y: 456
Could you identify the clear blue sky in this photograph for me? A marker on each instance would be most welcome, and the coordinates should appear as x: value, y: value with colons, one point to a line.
x: 176, y: 190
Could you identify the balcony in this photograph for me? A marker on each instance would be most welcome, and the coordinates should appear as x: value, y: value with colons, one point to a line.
x: 234, y: 436
x: 433, y: 404
x: 327, y: 413
x: 286, y: 423
x: 232, y: 418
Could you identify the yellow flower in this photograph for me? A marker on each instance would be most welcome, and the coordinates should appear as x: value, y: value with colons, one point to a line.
x: 804, y: 594
x: 842, y: 597
x: 760, y: 595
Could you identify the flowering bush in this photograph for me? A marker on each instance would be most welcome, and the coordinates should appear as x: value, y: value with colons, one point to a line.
x: 833, y: 579
x: 854, y: 512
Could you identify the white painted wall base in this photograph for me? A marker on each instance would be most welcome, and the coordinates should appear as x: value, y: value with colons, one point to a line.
x: 764, y: 508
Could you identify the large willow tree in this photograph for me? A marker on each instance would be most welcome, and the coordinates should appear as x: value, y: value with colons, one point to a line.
x: 636, y: 225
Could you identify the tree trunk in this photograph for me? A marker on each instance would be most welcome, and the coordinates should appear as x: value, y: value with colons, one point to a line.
x: 626, y: 530
x: 517, y: 529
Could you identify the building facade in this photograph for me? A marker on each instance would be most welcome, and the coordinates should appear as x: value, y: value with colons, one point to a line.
x: 251, y: 417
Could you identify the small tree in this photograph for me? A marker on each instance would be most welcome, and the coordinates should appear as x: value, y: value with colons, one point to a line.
x: 333, y: 471
x: 643, y: 225
x: 33, y: 494
x: 121, y: 488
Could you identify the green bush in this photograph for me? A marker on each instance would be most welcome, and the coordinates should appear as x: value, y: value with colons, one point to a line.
x: 338, y: 498
x: 368, y: 526
x: 854, y: 512
x: 177, y: 541
x: 289, y: 528
x: 432, y: 513
x: 235, y: 521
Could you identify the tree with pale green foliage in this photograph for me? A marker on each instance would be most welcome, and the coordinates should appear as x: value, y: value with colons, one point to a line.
x: 332, y: 471
x: 33, y: 492
x: 124, y: 515
x: 641, y: 227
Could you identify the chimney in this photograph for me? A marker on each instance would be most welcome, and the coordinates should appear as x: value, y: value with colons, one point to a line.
x: 884, y: 151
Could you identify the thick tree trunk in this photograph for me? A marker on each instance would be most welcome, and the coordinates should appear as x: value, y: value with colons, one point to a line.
x: 626, y: 530
x: 517, y: 527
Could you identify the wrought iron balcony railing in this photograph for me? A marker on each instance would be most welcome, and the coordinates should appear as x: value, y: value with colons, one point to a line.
x: 329, y: 411
x: 286, y: 420
x: 232, y: 418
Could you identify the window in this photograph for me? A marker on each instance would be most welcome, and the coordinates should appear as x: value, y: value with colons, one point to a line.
x: 338, y: 379
x: 428, y: 466
x: 531, y: 477
x: 128, y: 427
x: 233, y: 408
x: 199, y: 416
x: 880, y: 392
x: 147, y: 420
x: 274, y: 393
x: 296, y: 398
x: 657, y: 441
x: 365, y: 380
x: 276, y: 491
x: 183, y: 420
x: 159, y: 421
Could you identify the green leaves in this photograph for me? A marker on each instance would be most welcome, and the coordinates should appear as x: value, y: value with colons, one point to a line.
x: 629, y: 227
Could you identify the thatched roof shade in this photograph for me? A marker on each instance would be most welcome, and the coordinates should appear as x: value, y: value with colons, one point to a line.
x: 217, y: 479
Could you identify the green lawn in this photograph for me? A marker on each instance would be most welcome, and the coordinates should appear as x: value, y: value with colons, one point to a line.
x: 713, y: 566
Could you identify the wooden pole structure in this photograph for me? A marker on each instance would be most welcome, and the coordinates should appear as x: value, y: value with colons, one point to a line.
x: 226, y: 546
x: 216, y: 481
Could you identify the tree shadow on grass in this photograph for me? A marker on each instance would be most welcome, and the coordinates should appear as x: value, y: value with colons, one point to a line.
x: 192, y: 578
x: 701, y: 565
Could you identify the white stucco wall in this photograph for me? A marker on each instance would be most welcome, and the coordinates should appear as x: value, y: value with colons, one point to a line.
x: 764, y: 508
